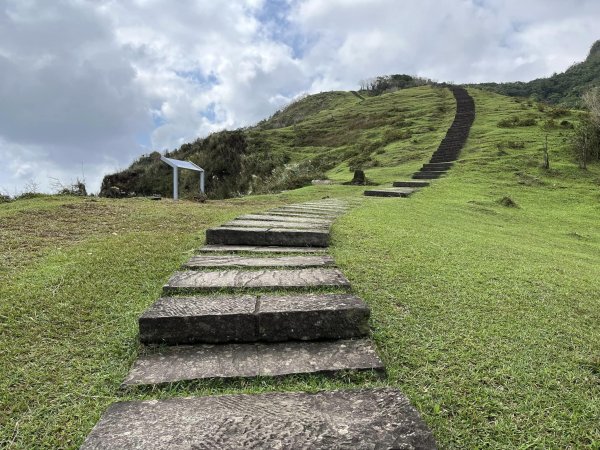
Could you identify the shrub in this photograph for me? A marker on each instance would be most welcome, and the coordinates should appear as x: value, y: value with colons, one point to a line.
x: 514, y: 121
x: 392, y: 135
x: 515, y: 144
x: 557, y: 112
x: 567, y: 124
x: 508, y: 202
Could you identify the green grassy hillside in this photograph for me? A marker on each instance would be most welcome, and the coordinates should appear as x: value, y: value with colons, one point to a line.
x: 565, y: 88
x: 328, y: 133
x: 485, y: 315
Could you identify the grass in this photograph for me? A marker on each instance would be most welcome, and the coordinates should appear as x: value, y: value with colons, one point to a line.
x: 384, y: 131
x: 486, y: 316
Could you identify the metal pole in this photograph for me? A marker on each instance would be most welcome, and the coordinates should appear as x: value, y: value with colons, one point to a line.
x: 175, y: 184
x: 202, y: 182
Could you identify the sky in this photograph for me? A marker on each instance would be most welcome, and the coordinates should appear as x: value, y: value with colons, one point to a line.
x: 87, y: 86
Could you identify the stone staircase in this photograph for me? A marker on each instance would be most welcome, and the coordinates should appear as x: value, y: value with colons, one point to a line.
x: 445, y: 155
x: 262, y: 298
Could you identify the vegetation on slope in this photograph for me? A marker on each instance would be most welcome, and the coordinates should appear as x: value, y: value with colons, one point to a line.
x: 566, y: 88
x: 301, y: 143
x: 485, y: 315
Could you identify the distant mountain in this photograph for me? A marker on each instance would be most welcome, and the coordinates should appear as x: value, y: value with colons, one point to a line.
x: 565, y: 88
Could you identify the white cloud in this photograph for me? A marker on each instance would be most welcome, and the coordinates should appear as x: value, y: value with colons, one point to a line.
x: 96, y: 83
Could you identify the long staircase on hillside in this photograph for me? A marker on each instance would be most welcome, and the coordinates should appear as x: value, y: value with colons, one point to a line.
x: 445, y: 155
x: 261, y: 299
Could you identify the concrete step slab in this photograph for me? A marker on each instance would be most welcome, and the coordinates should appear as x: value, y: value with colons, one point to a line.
x: 190, y: 281
x: 203, y: 262
x: 251, y: 318
x: 276, y: 224
x: 202, y: 361
x: 390, y: 192
x: 438, y: 166
x: 411, y: 183
x: 272, y: 218
x: 360, y: 419
x: 426, y: 176
x: 258, y: 249
x: 302, y: 214
x: 305, y: 212
x: 285, y: 237
x: 315, y: 209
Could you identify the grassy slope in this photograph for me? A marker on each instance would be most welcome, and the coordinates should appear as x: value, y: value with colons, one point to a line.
x: 342, y: 123
x: 486, y: 316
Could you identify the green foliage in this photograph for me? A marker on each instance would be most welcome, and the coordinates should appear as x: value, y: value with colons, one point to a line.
x: 515, y: 121
x: 390, y: 83
x: 565, y: 88
x: 585, y: 142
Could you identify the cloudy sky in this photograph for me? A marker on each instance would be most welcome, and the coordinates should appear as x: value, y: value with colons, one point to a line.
x: 86, y: 86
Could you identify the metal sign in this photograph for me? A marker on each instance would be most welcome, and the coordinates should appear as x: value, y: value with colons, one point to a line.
x: 177, y: 164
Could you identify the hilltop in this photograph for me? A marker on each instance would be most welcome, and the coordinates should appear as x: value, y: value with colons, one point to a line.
x: 328, y: 134
x: 393, y: 120
x: 565, y: 88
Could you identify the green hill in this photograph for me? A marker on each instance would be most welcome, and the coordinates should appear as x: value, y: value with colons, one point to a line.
x: 486, y: 316
x: 327, y: 134
x: 565, y: 88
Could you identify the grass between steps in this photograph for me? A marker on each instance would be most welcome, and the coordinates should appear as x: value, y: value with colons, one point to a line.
x: 485, y: 315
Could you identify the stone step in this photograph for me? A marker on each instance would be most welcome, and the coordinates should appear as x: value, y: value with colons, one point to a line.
x: 306, y: 212
x: 444, y: 159
x: 360, y: 419
x: 441, y: 171
x: 342, y: 207
x: 438, y: 166
x: 390, y: 192
x: 305, y: 215
x: 333, y: 209
x: 272, y: 218
x: 276, y: 224
x: 413, y: 183
x: 259, y: 249
x: 285, y: 237
x: 426, y: 175
x: 446, y: 153
x: 249, y: 318
x: 191, y: 281
x: 202, y: 361
x: 203, y: 262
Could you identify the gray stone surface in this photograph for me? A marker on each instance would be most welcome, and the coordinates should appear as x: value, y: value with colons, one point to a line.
x: 296, y: 213
x: 229, y: 318
x: 259, y: 249
x: 307, y: 211
x: 413, y: 183
x: 390, y: 192
x: 298, y: 225
x: 203, y: 361
x: 272, y: 218
x: 310, y: 316
x: 191, y: 281
x: 285, y: 237
x: 187, y: 320
x: 200, y: 262
x: 365, y: 419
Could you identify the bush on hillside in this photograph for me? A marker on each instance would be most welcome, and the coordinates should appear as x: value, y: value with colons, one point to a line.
x: 515, y: 121
x: 390, y: 83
